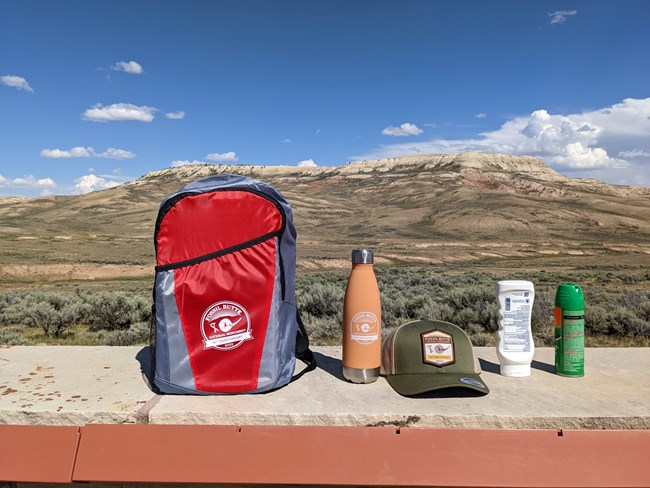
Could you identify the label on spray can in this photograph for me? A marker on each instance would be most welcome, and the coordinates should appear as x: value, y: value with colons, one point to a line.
x: 570, y: 342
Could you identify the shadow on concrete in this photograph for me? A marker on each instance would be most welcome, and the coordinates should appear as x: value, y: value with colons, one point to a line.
x: 548, y: 368
x: 489, y: 366
x: 330, y: 365
x: 144, y: 358
x: 450, y: 393
x: 334, y: 367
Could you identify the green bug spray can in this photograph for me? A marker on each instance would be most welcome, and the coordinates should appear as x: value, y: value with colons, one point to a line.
x: 569, y: 331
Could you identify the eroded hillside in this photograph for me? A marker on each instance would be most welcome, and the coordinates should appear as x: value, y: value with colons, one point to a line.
x: 429, y: 208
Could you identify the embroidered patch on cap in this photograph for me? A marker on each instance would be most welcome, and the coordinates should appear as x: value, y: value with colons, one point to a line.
x: 438, y: 348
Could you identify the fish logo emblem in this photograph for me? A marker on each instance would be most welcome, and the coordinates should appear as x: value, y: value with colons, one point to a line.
x: 225, y: 325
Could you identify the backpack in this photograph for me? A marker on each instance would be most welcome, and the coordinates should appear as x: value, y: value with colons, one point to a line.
x: 225, y: 316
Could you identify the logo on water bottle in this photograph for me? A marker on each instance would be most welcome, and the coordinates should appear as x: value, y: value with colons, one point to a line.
x: 364, y: 328
x: 225, y: 325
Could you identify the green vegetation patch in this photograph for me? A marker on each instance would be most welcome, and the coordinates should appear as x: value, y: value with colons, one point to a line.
x: 617, y: 306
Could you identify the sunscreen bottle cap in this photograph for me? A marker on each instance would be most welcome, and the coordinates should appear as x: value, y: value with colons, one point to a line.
x: 515, y: 370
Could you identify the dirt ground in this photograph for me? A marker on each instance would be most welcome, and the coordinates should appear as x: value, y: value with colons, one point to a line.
x: 484, y: 259
x: 58, y: 272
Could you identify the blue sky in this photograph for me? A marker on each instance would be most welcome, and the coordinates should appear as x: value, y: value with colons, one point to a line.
x: 95, y: 93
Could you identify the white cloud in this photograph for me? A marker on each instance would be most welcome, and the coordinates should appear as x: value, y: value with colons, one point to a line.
x: 560, y: 16
x: 16, y: 82
x: 480, y: 115
x: 286, y: 141
x: 406, y: 129
x: 184, y: 162
x: 229, y: 157
x: 578, y: 142
x: 119, y: 112
x: 131, y: 67
x: 562, y: 138
x: 91, y: 182
x: 307, y: 162
x: 87, y: 152
x: 634, y: 153
x: 631, y: 117
x: 75, y: 152
x: 577, y: 156
x: 28, y: 181
x: 180, y: 115
x: 114, y: 153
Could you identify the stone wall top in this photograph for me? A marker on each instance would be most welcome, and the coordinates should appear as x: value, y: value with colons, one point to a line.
x: 76, y: 385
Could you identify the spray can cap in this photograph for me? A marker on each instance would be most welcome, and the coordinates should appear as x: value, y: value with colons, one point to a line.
x: 362, y: 256
x: 569, y: 296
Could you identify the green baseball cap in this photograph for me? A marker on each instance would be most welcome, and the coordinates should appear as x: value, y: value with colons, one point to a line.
x: 427, y: 355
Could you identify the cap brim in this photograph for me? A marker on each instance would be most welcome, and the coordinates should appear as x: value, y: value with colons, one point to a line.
x: 414, y: 384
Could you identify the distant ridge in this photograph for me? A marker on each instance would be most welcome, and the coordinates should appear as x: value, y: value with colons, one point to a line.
x: 9, y: 200
x: 477, y: 161
x: 422, y: 208
x: 500, y: 167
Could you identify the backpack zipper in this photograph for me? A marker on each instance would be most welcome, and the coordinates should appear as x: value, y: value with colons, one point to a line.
x: 169, y: 203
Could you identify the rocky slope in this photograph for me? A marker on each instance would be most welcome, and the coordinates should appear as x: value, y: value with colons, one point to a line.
x: 419, y: 208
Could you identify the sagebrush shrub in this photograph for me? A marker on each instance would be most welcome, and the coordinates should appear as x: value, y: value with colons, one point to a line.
x: 115, y: 310
x: 54, y: 312
x: 467, y: 299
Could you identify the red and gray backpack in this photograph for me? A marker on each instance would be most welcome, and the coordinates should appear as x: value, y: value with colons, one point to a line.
x: 224, y: 299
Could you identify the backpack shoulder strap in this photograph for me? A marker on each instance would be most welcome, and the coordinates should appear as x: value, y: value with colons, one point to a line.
x: 302, y: 349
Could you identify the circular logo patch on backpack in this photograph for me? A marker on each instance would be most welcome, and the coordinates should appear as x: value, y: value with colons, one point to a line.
x: 225, y: 325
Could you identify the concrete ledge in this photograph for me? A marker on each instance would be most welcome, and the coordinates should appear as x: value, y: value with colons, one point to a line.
x: 48, y: 385
x: 72, y: 385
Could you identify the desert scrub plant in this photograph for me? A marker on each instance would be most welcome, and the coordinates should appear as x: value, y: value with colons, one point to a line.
x: 542, y: 319
x: 53, y: 312
x: 468, y: 299
x: 10, y: 337
x: 116, y: 310
x: 475, y: 305
x: 321, y: 299
x: 614, y: 315
x: 56, y: 312
x: 136, y: 334
x: 323, y: 331
x: 12, y: 308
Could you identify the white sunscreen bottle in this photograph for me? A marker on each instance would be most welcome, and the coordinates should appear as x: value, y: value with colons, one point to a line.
x: 515, y: 348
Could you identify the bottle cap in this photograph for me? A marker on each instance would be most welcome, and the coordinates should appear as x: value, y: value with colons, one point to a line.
x: 362, y: 256
x: 515, y: 370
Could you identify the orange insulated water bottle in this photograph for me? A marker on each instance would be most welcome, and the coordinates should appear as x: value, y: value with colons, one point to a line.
x: 362, y: 321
